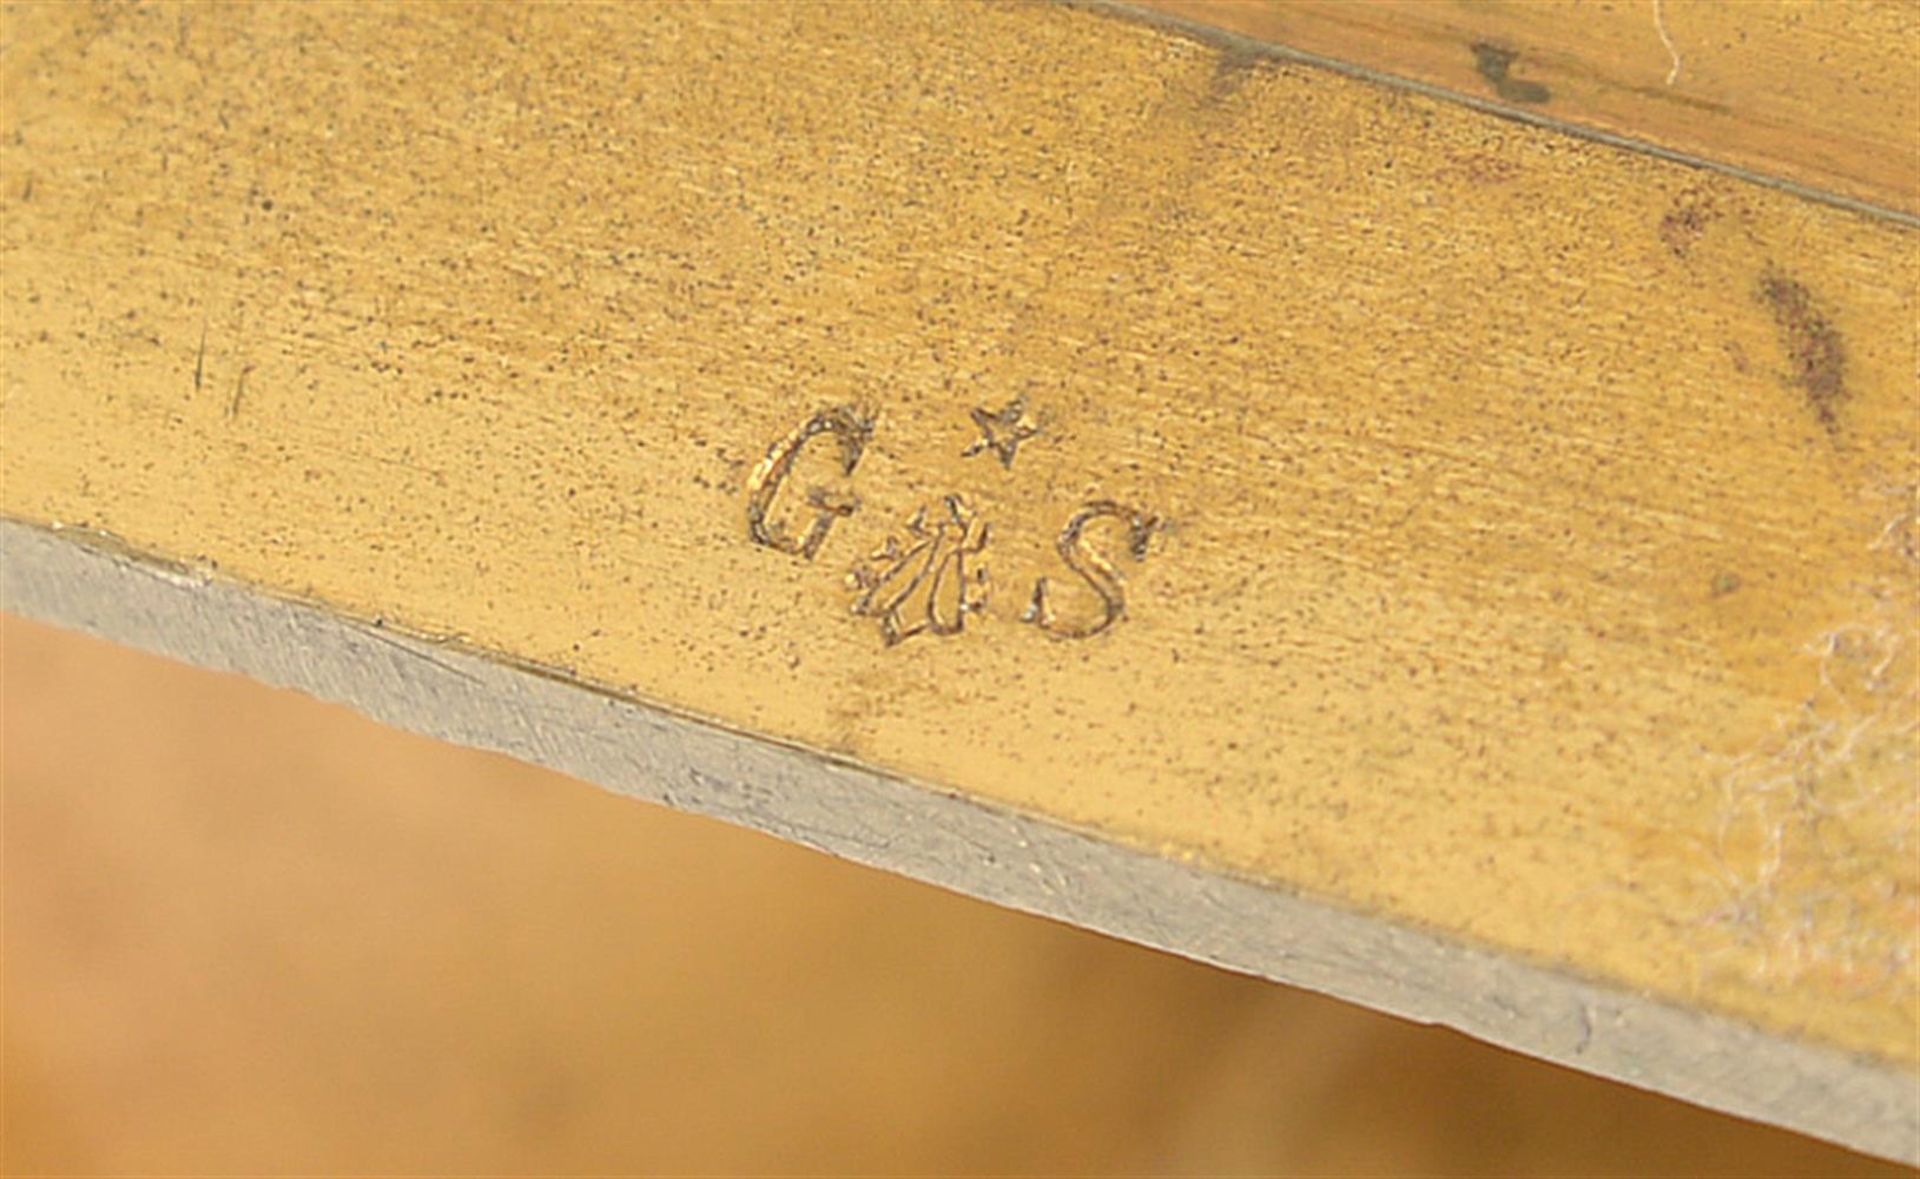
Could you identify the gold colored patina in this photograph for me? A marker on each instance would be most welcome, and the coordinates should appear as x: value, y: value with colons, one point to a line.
x: 1527, y: 524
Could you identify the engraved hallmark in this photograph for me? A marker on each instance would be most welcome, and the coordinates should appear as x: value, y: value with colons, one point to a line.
x: 929, y: 577
x: 853, y: 430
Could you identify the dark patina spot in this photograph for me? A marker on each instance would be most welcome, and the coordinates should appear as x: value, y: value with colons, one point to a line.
x: 1814, y: 347
x: 1495, y: 64
x: 1684, y: 224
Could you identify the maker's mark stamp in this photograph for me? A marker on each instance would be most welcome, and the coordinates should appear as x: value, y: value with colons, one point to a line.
x: 929, y: 578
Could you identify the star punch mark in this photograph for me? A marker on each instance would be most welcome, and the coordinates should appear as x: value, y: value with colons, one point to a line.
x: 1003, y: 432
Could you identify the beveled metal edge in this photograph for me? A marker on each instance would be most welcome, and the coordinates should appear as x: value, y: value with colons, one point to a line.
x: 89, y: 582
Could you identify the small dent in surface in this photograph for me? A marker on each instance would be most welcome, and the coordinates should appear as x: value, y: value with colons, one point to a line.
x: 1814, y: 347
x: 1495, y: 64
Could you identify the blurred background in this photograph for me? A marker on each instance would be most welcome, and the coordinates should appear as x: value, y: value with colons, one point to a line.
x: 247, y: 932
